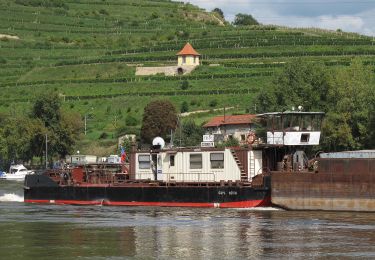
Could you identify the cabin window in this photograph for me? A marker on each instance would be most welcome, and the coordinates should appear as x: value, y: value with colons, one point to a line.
x: 183, y: 60
x: 305, y: 138
x: 171, y: 160
x: 242, y: 137
x: 144, y: 161
x: 196, y: 161
x: 316, y: 121
x: 217, y: 160
x: 194, y: 59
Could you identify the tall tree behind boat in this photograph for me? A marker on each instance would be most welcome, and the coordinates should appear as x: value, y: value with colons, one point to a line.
x: 22, y: 136
x: 346, y: 95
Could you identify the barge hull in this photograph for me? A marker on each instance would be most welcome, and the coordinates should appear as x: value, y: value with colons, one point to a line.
x: 40, y: 190
x: 340, y: 185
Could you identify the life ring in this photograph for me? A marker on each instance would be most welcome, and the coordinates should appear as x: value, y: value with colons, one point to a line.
x: 250, y: 138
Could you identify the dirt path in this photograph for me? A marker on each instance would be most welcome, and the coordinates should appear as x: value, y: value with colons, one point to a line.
x: 7, y: 36
x: 203, y: 111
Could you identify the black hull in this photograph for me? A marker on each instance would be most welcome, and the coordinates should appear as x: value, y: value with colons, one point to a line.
x: 40, y: 189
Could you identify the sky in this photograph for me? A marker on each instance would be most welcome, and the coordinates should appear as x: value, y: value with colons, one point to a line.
x: 347, y: 15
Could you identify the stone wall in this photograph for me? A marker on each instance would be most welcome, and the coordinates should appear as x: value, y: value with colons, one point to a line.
x: 167, y: 70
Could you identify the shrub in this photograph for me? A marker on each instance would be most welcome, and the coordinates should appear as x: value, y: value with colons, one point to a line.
x: 154, y: 16
x: 213, y: 103
x: 103, y: 135
x: 134, y: 23
x: 184, y: 107
x: 184, y: 85
x: 103, y: 12
x: 131, y: 120
x: 108, y: 110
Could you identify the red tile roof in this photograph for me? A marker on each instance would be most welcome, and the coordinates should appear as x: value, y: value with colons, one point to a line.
x: 188, y: 50
x: 230, y: 120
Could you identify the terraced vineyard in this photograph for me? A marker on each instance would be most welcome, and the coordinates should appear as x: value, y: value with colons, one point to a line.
x: 88, y: 50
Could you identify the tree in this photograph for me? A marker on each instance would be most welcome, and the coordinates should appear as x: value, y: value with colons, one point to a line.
x: 127, y: 144
x: 69, y: 131
x: 188, y: 134
x: 265, y: 102
x: 371, y: 124
x: 159, y: 118
x: 16, y: 138
x: 350, y: 99
x: 244, y: 19
x: 219, y: 12
x: 299, y: 84
x: 47, y: 108
x: 62, y: 128
x: 184, y: 107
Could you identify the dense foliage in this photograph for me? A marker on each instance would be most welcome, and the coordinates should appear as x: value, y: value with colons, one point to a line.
x: 219, y: 12
x: 244, y: 19
x: 346, y: 95
x: 159, y: 119
x: 188, y: 134
x: 23, y: 137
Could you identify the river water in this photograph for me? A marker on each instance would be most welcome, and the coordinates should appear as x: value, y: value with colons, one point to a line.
x: 30, y: 231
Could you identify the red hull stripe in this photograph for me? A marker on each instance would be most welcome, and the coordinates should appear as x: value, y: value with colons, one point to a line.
x: 237, y: 204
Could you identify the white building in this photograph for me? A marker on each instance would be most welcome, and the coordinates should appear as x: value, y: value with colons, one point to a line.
x: 231, y: 126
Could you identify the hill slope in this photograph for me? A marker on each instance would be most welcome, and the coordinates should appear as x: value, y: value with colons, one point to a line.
x: 87, y: 51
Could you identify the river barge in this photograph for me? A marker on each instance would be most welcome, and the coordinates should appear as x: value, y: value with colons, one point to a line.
x: 274, y: 172
x: 181, y: 177
x: 343, y: 181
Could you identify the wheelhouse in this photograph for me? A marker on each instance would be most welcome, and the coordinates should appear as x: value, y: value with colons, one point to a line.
x: 293, y: 128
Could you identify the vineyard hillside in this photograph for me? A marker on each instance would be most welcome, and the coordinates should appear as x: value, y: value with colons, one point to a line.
x: 88, y: 51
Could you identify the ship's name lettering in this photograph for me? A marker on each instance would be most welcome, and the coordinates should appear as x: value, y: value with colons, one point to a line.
x: 220, y: 192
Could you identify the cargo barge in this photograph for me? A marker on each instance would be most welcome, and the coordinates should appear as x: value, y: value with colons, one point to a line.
x: 342, y: 181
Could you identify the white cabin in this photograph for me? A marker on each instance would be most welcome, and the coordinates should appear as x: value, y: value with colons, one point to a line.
x: 198, y: 165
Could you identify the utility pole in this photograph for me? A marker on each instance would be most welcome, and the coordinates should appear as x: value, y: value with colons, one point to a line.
x: 179, y: 121
x: 85, y: 123
x: 46, y: 151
